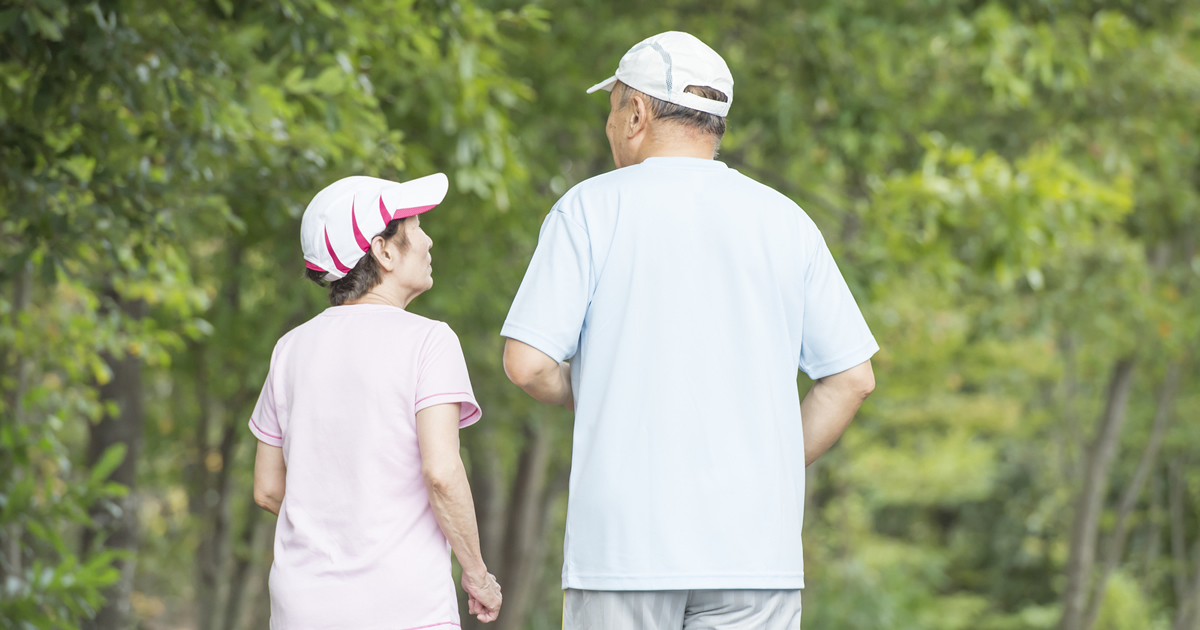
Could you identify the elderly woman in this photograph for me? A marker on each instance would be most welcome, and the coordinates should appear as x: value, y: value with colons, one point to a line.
x: 358, y: 425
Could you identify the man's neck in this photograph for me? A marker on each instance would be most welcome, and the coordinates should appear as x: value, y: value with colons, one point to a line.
x: 675, y: 143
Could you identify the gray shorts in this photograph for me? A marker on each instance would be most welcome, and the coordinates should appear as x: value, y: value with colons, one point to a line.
x: 681, y: 610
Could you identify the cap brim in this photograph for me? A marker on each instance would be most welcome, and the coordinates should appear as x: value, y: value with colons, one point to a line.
x: 416, y: 196
x: 606, y: 85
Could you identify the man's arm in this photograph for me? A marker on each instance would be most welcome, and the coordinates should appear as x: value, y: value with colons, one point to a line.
x: 270, y: 477
x: 830, y: 405
x: 538, y: 374
x: 450, y: 498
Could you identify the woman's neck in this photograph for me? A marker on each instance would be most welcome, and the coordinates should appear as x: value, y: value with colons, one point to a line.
x: 385, y: 295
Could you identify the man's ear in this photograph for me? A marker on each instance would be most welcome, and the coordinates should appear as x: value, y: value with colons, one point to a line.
x: 382, y: 254
x: 638, y: 115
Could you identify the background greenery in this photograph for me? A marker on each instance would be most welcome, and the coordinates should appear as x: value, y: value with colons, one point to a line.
x: 1011, y: 188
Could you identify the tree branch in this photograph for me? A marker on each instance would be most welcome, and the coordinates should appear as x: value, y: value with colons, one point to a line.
x: 1085, y: 528
x: 1116, y: 542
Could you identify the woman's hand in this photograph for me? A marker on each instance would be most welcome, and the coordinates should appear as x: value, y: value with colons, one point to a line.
x: 483, y: 596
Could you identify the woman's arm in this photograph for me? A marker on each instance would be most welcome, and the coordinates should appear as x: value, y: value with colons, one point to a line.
x: 270, y: 477
x: 450, y: 497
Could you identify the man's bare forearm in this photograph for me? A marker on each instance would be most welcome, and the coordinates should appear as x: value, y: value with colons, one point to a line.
x: 830, y: 406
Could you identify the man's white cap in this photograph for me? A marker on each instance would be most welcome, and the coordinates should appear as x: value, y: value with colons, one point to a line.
x: 341, y: 220
x: 664, y: 65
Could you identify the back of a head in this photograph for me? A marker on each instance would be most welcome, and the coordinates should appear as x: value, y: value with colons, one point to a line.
x: 682, y: 80
x: 686, y: 117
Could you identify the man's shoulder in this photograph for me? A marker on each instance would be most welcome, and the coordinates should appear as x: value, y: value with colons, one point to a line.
x: 765, y: 192
x: 593, y: 194
x: 602, y: 184
x: 619, y: 186
x: 643, y: 175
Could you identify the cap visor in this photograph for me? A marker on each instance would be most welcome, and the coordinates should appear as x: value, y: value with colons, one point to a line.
x: 606, y: 85
x: 416, y: 196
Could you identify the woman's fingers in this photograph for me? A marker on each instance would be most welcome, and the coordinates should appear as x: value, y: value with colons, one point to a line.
x: 483, y: 597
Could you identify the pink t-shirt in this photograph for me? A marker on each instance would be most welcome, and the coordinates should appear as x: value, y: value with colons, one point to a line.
x: 357, y: 544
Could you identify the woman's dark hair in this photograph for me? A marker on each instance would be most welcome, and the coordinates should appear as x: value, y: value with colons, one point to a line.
x: 365, y: 275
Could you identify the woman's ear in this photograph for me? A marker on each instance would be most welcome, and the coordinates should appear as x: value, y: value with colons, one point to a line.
x: 382, y: 253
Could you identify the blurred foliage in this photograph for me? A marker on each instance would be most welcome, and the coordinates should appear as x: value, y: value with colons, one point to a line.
x: 1011, y: 189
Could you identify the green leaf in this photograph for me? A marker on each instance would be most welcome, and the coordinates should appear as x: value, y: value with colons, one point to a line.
x: 332, y: 80
x: 44, y: 24
x: 108, y: 462
x: 326, y: 9
x: 81, y: 166
x: 295, y: 83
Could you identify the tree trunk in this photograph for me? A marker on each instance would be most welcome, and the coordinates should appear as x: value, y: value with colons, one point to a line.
x: 254, y: 602
x: 1154, y: 536
x: 1071, y: 462
x: 243, y: 561
x: 1175, y: 494
x: 12, y: 563
x: 260, y: 614
x: 1187, y: 613
x: 202, y: 497
x: 486, y: 478
x: 115, y: 522
x: 213, y: 552
x: 523, y: 535
x: 518, y: 552
x: 1088, y: 508
x: 1116, y: 542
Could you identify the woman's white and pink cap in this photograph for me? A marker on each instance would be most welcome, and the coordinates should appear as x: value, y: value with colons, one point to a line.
x: 341, y: 220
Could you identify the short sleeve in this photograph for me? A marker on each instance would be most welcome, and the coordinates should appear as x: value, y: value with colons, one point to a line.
x: 836, y: 337
x: 264, y: 422
x: 550, y: 306
x: 442, y: 375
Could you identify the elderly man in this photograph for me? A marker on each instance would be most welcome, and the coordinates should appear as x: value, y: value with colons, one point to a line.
x: 686, y: 296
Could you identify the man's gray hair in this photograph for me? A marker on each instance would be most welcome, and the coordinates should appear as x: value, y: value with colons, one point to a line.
x: 710, y: 124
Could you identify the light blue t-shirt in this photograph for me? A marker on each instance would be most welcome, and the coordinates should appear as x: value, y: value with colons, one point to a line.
x: 686, y: 296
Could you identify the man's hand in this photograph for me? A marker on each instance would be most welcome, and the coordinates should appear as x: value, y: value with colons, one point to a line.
x: 483, y: 596
x: 538, y: 374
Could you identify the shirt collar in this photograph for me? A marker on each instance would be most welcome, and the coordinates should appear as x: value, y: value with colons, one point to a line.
x: 685, y: 162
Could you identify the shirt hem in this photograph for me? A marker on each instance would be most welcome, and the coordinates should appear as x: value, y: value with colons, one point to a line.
x: 788, y: 581
x: 470, y: 413
x: 441, y: 624
x: 527, y: 336
x: 263, y: 436
x: 844, y: 362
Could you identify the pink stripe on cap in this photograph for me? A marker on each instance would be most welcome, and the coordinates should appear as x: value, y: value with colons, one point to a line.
x: 383, y: 212
x: 332, y: 254
x: 358, y: 235
x: 404, y: 213
x: 314, y: 267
